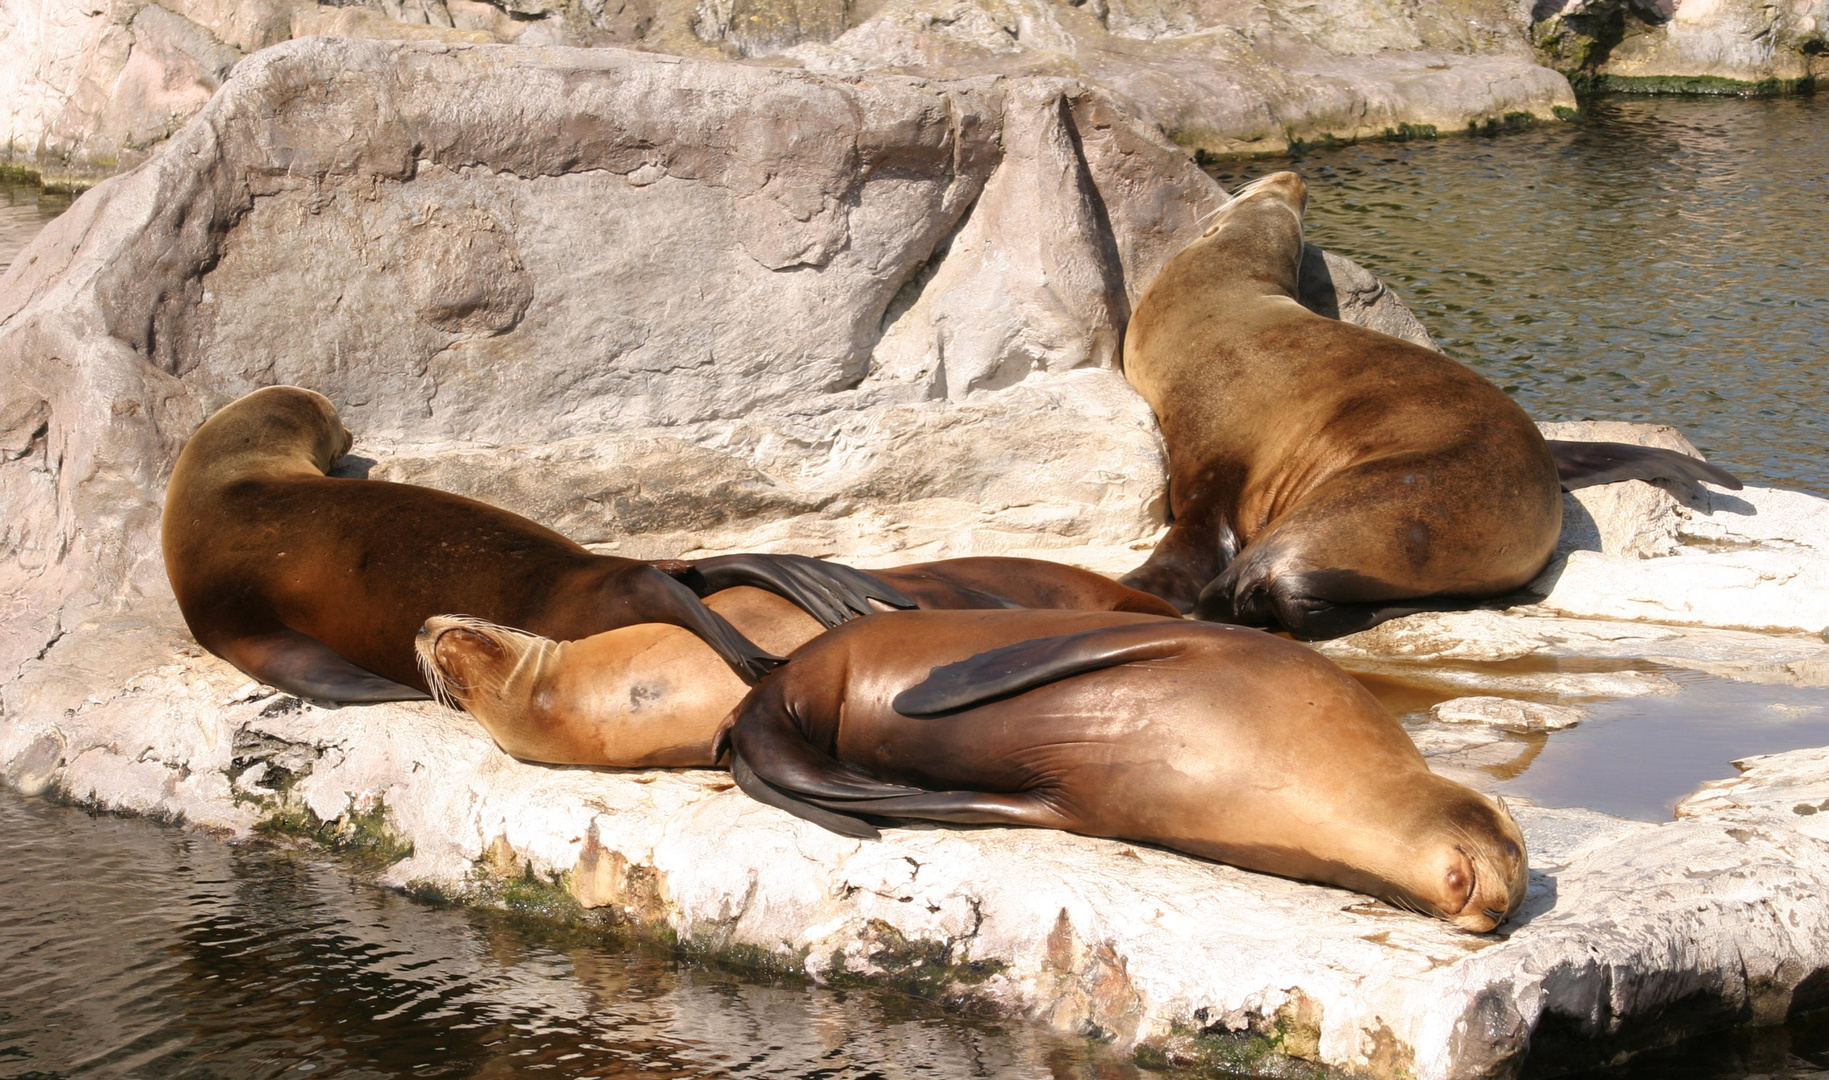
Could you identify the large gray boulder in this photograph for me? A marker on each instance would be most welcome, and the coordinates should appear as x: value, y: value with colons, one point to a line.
x: 664, y: 305
x: 87, y: 89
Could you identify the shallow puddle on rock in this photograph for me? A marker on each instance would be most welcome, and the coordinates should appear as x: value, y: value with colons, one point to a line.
x: 1633, y: 757
x: 1636, y: 757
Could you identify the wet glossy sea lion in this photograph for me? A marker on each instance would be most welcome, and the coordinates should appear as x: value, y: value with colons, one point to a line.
x: 1325, y: 477
x: 1218, y: 741
x: 317, y: 585
x: 653, y: 695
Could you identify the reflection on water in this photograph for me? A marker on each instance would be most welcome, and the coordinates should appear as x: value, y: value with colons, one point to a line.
x: 132, y: 949
x: 1635, y: 757
x: 1664, y: 260
x: 24, y: 209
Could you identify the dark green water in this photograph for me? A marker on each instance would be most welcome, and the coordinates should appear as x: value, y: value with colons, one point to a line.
x: 24, y: 209
x: 130, y: 949
x: 1666, y: 259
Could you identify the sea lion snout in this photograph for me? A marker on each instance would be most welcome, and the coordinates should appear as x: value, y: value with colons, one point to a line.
x: 456, y: 655
x: 1480, y: 869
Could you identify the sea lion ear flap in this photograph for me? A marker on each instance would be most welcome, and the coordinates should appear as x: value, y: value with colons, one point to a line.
x: 1014, y: 669
x: 1587, y: 464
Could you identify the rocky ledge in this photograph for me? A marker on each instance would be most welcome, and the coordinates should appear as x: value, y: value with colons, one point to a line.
x: 682, y: 306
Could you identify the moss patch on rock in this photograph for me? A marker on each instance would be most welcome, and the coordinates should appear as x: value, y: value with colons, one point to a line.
x: 1589, y: 83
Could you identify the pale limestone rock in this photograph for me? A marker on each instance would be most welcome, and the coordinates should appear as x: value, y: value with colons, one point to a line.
x: 1496, y: 636
x: 696, y: 294
x: 1745, y: 41
x: 1509, y: 714
x: 86, y: 89
x: 1719, y: 911
x: 1688, y: 553
x: 1229, y: 78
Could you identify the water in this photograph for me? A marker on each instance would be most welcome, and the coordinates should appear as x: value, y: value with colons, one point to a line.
x: 24, y: 209
x: 138, y: 950
x: 1663, y: 260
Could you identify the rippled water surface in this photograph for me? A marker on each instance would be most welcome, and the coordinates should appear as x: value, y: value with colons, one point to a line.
x: 133, y: 949
x: 24, y: 209
x: 1666, y: 259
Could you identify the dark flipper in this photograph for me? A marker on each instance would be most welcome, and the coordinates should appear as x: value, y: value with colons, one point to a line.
x: 667, y: 600
x: 830, y: 592
x: 1191, y: 555
x: 1013, y: 669
x: 1586, y: 464
x: 306, y: 667
x: 764, y: 792
x: 958, y: 807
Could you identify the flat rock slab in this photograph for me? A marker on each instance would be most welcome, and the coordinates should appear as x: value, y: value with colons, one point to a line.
x: 1713, y: 919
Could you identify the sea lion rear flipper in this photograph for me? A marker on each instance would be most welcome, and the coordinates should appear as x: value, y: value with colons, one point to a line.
x: 1586, y: 464
x: 306, y: 667
x: 830, y: 592
x: 959, y: 808
x: 764, y: 792
x: 1013, y: 669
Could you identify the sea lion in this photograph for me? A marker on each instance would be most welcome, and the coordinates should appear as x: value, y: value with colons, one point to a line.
x: 1325, y: 477
x: 653, y: 695
x: 1218, y: 741
x: 317, y: 585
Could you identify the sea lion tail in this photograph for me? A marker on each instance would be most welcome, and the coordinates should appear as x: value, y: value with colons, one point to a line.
x: 1015, y: 669
x: 1587, y: 464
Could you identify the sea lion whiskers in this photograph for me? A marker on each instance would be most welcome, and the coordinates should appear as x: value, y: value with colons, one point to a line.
x: 518, y: 643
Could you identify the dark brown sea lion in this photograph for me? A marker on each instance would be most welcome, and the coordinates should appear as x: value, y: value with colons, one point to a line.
x: 1325, y: 477
x: 1218, y: 741
x: 317, y: 585
x: 654, y: 695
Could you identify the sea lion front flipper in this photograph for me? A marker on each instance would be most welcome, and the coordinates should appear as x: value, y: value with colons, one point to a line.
x: 764, y: 792
x: 830, y: 592
x: 1013, y: 669
x: 306, y: 667
x: 660, y: 597
x: 1587, y: 464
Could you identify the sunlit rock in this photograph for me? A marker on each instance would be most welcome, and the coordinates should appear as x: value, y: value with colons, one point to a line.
x: 1508, y: 713
x: 1719, y: 913
x: 1719, y: 46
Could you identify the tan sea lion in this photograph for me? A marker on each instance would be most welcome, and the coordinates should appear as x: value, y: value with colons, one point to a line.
x: 317, y: 585
x: 653, y: 695
x: 1325, y: 477
x: 1218, y: 741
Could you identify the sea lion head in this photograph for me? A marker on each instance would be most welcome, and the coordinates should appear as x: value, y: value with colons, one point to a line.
x: 275, y: 428
x: 1252, y: 242
x: 1469, y: 865
x: 1279, y: 194
x: 472, y: 665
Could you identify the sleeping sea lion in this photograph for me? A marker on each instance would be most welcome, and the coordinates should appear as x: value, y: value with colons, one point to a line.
x: 1325, y: 477
x: 1218, y: 741
x: 653, y: 695
x: 317, y: 585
